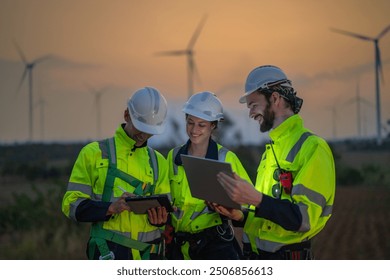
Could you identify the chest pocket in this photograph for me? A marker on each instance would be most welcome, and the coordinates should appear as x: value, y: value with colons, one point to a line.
x: 101, y: 168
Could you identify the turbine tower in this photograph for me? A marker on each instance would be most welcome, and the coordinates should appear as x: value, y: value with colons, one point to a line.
x: 378, y: 71
x: 98, y: 93
x: 189, y: 52
x: 358, y: 100
x: 41, y: 104
x: 28, y: 69
x: 334, y: 115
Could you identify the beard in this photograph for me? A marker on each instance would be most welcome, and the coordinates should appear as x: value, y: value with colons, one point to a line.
x: 268, y: 119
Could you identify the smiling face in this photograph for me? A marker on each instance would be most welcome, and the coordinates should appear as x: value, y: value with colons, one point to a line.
x: 260, y: 110
x: 198, y: 130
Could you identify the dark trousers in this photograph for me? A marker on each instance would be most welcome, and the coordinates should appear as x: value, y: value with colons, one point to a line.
x: 298, y: 251
x: 215, y: 250
x: 207, y: 245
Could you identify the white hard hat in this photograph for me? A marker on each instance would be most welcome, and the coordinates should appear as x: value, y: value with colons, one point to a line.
x: 263, y: 77
x: 204, y: 105
x: 148, y: 110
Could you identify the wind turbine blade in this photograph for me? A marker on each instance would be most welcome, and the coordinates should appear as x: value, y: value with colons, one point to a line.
x: 196, y: 72
x: 172, y: 53
x: 21, y: 54
x: 383, y: 32
x: 362, y: 37
x: 365, y: 101
x: 196, y: 33
x: 90, y: 88
x: 378, y: 61
x: 349, y: 102
x: 22, y: 79
x: 191, y: 63
x: 105, y: 88
x: 40, y: 59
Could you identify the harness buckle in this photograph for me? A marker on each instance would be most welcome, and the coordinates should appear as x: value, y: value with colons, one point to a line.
x: 222, y: 232
x: 109, y: 256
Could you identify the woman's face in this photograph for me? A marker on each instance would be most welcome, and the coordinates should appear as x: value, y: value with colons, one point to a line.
x: 198, y: 130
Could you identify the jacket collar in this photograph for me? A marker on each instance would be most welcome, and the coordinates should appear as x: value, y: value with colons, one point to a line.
x: 212, y: 151
x: 125, y: 140
x: 286, y: 127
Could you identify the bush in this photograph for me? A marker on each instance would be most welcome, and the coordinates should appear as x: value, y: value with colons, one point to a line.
x: 348, y: 176
x: 39, y: 228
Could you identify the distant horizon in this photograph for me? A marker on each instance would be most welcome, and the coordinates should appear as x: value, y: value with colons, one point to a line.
x: 97, y: 46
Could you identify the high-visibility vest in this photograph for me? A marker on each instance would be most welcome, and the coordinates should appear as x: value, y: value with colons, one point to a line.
x: 310, y: 160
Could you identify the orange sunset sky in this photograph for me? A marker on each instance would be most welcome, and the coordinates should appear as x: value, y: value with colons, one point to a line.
x: 110, y: 45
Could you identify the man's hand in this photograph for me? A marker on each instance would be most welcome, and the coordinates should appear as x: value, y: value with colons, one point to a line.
x: 239, y: 190
x: 120, y: 205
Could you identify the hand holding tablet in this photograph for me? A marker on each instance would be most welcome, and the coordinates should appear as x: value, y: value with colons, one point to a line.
x: 141, y: 204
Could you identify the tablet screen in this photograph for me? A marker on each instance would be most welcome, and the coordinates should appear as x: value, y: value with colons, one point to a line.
x: 141, y: 204
x: 202, y: 178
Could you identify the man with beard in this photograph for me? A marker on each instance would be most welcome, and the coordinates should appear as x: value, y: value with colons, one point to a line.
x: 295, y: 186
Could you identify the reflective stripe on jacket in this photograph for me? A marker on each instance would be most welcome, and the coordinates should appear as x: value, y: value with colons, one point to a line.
x: 310, y: 160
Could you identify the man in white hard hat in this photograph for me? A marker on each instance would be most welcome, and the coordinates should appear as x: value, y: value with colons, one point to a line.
x: 292, y: 199
x: 106, y: 172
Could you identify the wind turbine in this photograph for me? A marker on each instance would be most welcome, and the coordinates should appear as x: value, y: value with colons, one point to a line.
x: 333, y: 109
x: 28, y: 69
x: 378, y: 71
x: 98, y: 93
x: 359, y: 100
x: 189, y: 52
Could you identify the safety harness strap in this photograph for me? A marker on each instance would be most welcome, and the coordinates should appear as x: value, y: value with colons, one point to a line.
x: 99, y: 236
x: 119, y: 239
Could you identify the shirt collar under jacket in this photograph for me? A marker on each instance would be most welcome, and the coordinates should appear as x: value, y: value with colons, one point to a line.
x: 126, y: 140
x: 285, y: 127
x: 212, y: 151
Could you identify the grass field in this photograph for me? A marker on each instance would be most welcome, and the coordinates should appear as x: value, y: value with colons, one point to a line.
x: 32, y: 225
x: 358, y: 230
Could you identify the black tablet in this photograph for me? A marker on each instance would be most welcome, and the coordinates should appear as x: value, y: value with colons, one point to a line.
x: 141, y: 204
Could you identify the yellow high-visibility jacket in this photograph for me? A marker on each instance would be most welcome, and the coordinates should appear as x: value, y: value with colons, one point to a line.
x: 193, y: 215
x: 88, y: 178
x: 303, y: 214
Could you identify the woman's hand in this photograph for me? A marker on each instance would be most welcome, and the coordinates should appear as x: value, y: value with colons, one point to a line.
x: 157, y: 216
x: 231, y: 213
